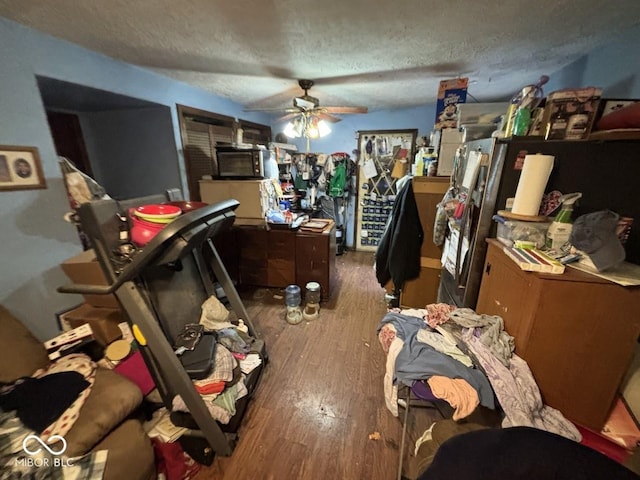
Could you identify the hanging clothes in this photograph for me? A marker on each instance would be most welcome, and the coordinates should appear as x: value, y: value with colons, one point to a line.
x: 338, y: 180
x: 398, y: 254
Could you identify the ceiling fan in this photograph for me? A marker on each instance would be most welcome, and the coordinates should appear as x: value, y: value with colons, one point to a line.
x: 308, y: 106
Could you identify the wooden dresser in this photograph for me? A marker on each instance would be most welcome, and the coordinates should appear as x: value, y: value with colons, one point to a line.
x: 277, y: 258
x: 576, y: 331
x: 316, y: 259
x: 417, y: 293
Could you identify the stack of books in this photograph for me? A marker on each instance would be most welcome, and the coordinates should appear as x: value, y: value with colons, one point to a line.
x: 534, y: 260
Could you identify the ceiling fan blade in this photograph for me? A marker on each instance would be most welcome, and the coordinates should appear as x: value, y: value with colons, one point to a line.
x: 345, y: 110
x: 288, y: 116
x: 271, y: 109
x: 327, y: 117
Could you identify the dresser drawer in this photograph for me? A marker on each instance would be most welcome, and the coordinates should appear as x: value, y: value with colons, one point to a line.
x: 282, y: 245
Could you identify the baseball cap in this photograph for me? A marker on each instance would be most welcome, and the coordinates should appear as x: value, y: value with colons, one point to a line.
x: 595, y: 235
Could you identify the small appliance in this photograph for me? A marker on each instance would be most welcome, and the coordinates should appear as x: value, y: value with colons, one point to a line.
x: 235, y: 162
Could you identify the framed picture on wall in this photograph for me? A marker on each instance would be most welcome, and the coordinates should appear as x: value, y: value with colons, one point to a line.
x: 20, y: 168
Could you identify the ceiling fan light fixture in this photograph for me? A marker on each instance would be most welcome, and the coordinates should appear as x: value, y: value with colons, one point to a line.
x: 316, y: 128
x: 307, y: 126
x: 312, y: 130
x: 295, y: 129
x: 290, y: 131
x: 323, y: 128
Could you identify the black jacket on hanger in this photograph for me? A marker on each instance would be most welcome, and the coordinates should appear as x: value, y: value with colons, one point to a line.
x: 398, y: 254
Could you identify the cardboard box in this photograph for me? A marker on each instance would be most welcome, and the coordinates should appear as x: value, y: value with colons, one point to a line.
x: 85, y: 269
x: 103, y: 321
x: 449, y: 143
x: 255, y: 196
x: 451, y: 93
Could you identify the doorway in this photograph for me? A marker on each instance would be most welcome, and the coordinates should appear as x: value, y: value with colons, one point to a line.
x: 68, y: 139
x: 127, y: 145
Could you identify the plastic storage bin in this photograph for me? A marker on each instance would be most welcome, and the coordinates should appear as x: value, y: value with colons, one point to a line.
x: 512, y: 230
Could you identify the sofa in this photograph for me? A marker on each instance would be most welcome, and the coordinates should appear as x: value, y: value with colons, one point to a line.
x: 520, y: 453
x: 108, y: 420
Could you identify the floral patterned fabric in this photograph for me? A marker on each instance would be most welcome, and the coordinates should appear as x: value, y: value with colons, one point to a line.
x: 438, y: 313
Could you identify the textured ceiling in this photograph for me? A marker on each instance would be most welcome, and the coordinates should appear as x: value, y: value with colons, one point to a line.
x: 380, y: 54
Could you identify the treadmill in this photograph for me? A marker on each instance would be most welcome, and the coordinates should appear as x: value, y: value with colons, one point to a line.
x: 161, y: 288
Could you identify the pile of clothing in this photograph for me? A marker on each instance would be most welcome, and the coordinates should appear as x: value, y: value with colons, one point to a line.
x: 466, y: 359
x: 225, y: 384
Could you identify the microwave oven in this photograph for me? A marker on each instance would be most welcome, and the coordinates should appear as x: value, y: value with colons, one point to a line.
x: 237, y: 163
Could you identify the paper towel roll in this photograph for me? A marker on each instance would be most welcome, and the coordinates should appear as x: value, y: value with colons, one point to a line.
x: 532, y: 183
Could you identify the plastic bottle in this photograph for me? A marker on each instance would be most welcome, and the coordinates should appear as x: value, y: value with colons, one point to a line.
x: 419, y: 164
x: 560, y: 229
x: 292, y: 296
x: 522, y: 121
x: 511, y: 114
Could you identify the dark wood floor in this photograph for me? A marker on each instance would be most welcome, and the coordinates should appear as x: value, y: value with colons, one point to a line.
x: 321, y: 394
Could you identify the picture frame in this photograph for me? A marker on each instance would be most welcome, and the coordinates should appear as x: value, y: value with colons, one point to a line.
x: 569, y: 114
x: 20, y: 168
x: 610, y: 105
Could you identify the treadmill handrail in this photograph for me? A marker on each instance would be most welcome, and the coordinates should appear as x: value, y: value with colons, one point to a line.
x: 180, y: 226
x: 84, y: 289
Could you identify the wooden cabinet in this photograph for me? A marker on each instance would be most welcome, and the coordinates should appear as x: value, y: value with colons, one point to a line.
x: 274, y: 258
x: 576, y: 331
x: 253, y: 257
x: 281, y: 266
x: 266, y: 257
x: 316, y: 259
x: 417, y: 293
